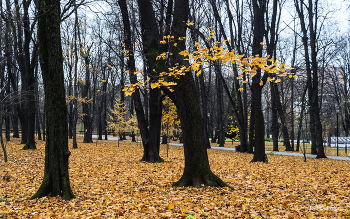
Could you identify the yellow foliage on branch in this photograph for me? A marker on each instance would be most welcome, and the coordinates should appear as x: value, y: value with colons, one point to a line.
x: 200, y: 58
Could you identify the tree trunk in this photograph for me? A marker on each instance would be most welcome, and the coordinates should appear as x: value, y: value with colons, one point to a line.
x: 259, y: 147
x: 197, y: 170
x: 2, y: 143
x: 38, y: 126
x: 150, y: 152
x: 251, y: 144
x: 29, y: 66
x: 7, y: 130
x: 259, y: 129
x: 86, y: 103
x: 30, y: 144
x: 56, y: 176
x: 282, y: 116
x: 15, y: 126
x: 274, y: 125
x: 75, y: 89
x: 312, y: 74
x: 43, y: 124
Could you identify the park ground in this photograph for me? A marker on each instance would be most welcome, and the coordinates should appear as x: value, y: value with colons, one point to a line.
x: 110, y: 182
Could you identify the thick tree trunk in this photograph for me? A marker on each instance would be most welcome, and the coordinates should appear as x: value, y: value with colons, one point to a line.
x: 197, y: 170
x: 56, y: 176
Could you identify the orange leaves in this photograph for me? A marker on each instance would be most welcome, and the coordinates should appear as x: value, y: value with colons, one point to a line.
x: 110, y: 182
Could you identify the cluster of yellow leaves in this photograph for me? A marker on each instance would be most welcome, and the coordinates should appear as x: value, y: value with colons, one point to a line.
x: 233, y: 128
x: 117, y: 118
x: 169, y: 116
x: 202, y: 55
x: 110, y: 182
x: 133, y: 125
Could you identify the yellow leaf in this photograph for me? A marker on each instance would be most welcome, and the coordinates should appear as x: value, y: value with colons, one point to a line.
x: 240, y: 89
x: 171, y: 206
x: 261, y: 83
x: 199, y: 72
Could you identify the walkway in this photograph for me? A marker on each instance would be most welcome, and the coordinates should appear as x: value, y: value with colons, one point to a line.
x: 268, y: 152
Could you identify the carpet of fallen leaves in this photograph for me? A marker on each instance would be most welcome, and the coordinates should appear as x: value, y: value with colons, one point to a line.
x: 110, y: 182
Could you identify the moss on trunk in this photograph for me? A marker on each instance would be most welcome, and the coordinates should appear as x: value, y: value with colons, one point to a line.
x: 56, y: 175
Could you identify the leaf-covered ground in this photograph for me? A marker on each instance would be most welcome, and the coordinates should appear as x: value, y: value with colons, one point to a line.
x: 110, y: 181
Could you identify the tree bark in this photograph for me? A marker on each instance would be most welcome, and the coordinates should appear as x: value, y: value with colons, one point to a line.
x: 220, y: 107
x: 239, y: 111
x: 150, y: 152
x: 56, y: 176
x: 258, y: 34
x: 3, y: 146
x: 274, y: 125
x: 30, y: 64
x: 197, y: 170
x: 75, y: 88
x: 312, y: 74
x: 86, y: 102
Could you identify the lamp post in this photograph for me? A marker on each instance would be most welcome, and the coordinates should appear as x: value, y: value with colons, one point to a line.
x: 337, y: 111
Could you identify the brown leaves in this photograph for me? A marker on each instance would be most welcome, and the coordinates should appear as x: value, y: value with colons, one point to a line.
x: 110, y: 182
x: 6, y: 177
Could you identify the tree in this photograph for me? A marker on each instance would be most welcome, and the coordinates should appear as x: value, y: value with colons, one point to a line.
x: 312, y: 72
x: 237, y: 99
x: 117, y: 121
x: 197, y: 171
x: 86, y: 98
x: 169, y: 118
x: 257, y: 117
x: 56, y: 176
x: 149, y: 136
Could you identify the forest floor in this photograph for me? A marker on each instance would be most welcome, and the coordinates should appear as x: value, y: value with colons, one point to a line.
x: 110, y: 182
